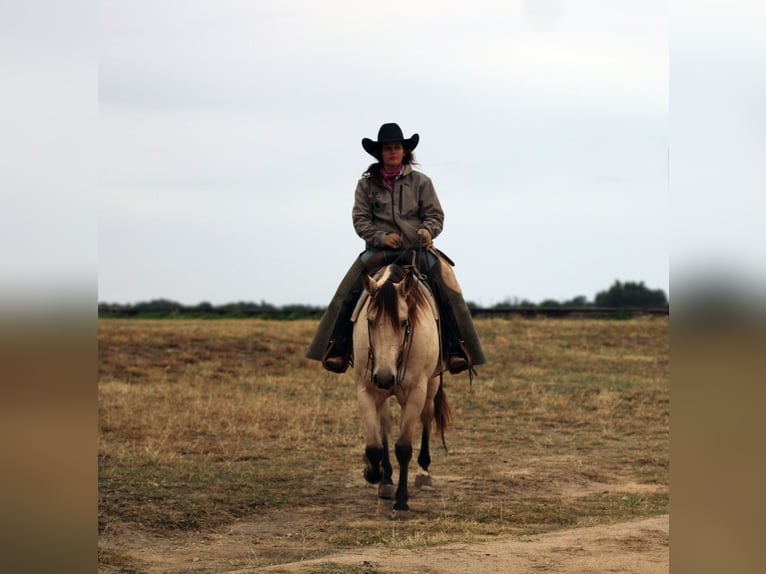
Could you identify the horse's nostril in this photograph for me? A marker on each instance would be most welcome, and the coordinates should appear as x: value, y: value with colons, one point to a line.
x: 383, y: 381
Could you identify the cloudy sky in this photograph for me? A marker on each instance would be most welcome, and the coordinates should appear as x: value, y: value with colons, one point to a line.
x: 209, y: 150
x: 718, y: 138
x: 229, y: 137
x: 230, y: 142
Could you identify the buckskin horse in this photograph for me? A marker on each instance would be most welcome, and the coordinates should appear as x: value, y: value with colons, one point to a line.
x: 396, y: 330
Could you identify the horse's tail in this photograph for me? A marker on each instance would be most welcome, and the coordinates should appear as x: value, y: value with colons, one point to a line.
x: 442, y: 411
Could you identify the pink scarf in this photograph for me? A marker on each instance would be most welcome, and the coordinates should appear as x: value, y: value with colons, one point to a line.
x: 389, y: 177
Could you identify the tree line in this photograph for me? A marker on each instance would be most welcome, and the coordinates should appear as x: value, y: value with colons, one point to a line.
x: 635, y: 295
x: 621, y: 295
x: 162, y: 308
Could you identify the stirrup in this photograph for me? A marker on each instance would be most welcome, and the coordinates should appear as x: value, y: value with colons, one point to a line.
x: 457, y: 364
x: 462, y: 360
x: 337, y: 363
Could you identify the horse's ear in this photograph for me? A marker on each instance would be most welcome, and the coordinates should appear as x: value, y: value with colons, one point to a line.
x: 409, y: 283
x: 369, y: 284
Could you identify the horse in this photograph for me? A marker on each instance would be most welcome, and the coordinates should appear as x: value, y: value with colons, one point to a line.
x: 396, y: 330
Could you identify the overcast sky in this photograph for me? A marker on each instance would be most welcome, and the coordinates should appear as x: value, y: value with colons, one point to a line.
x: 209, y: 150
x: 230, y: 142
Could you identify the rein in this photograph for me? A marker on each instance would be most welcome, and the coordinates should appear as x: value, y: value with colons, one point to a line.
x: 404, y: 353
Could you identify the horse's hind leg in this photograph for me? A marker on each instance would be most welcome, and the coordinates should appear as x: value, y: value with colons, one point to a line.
x: 423, y: 478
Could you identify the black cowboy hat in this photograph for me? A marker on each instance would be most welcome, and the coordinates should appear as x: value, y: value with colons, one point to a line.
x: 389, y: 133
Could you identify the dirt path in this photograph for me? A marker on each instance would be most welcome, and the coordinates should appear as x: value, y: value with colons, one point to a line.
x: 639, y: 547
x: 636, y: 547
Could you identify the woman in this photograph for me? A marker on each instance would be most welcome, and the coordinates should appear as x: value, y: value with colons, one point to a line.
x: 396, y: 210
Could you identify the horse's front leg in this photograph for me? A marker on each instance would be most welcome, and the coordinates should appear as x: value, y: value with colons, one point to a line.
x: 403, y: 456
x: 386, y: 488
x: 373, y: 452
x: 410, y: 416
x: 378, y: 467
x: 377, y: 459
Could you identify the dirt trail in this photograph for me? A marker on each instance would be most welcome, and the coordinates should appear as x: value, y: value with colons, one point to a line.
x: 639, y: 547
x: 636, y: 547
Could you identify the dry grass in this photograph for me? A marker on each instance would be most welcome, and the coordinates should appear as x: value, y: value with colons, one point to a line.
x: 206, y: 424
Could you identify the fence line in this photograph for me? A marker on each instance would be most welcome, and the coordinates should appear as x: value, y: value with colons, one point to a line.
x: 593, y: 312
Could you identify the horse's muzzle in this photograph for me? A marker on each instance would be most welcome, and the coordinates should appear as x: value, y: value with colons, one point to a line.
x: 384, y: 380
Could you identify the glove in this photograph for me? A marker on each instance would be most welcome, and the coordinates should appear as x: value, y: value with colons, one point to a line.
x: 424, y: 236
x: 393, y: 240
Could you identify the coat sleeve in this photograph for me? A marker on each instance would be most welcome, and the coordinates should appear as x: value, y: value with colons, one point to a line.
x: 432, y: 214
x: 362, y: 217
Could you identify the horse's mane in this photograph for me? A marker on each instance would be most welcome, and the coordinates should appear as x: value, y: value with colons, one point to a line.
x: 386, y: 302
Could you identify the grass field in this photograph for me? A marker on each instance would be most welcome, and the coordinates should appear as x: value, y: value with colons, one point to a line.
x: 211, y: 424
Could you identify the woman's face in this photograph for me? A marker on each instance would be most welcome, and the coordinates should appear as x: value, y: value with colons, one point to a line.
x: 393, y: 154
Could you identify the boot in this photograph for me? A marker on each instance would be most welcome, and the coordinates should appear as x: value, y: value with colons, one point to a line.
x: 338, y: 355
x: 462, y: 348
x: 335, y: 364
x: 457, y: 357
x: 457, y: 362
x: 332, y: 340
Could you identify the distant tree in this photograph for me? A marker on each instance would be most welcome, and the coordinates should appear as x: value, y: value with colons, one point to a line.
x: 513, y: 302
x: 579, y: 301
x: 631, y: 294
x: 298, y: 309
x: 162, y: 305
x: 550, y: 303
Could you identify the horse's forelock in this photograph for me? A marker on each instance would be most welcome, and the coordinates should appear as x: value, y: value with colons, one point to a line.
x: 386, y: 302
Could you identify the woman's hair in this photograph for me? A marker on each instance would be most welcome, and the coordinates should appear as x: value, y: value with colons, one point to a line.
x: 374, y: 169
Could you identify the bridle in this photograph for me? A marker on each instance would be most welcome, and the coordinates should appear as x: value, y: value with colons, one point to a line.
x: 417, y: 256
x: 402, y: 358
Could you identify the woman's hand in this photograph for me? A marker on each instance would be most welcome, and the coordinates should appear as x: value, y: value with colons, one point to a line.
x: 424, y: 236
x: 393, y: 240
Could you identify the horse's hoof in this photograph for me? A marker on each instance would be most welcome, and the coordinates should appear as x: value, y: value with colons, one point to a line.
x: 423, y: 479
x: 386, y: 491
x: 372, y: 476
x: 401, y: 506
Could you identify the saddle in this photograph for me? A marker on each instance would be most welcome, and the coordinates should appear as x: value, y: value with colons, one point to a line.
x: 338, y: 354
x: 421, y: 259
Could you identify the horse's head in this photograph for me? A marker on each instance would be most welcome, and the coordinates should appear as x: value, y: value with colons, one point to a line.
x: 391, y: 314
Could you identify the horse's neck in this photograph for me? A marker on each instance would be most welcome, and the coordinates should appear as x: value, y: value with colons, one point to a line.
x: 429, y: 297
